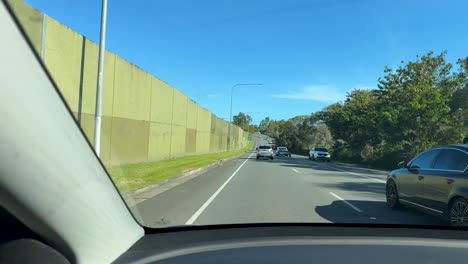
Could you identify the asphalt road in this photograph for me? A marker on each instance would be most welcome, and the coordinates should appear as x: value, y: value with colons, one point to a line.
x: 246, y: 190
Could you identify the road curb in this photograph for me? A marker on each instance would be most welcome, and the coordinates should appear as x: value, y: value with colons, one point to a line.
x: 147, y: 192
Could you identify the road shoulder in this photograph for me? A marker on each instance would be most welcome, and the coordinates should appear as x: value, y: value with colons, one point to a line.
x: 137, y: 196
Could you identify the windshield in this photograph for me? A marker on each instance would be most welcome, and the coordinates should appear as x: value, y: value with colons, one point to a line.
x: 192, y: 91
x: 321, y: 149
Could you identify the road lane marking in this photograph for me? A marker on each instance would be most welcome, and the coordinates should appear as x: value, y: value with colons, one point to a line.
x: 213, y: 196
x: 357, y: 174
x: 295, y: 170
x: 346, y: 202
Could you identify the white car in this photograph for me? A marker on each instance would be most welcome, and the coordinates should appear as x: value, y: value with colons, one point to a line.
x: 319, y: 153
x: 265, y: 151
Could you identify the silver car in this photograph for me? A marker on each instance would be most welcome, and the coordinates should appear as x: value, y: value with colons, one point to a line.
x: 265, y: 151
x: 319, y: 153
x: 283, y: 151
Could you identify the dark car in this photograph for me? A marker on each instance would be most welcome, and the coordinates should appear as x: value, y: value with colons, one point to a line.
x: 283, y: 151
x: 435, y: 181
x: 274, y: 147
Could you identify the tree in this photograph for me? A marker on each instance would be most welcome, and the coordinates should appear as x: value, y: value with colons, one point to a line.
x: 413, y: 105
x: 459, y: 102
x: 253, y: 128
x: 264, y: 124
x: 299, y: 133
x: 420, y: 104
x: 299, y: 119
x: 273, y: 129
x: 288, y: 134
x: 321, y: 136
x: 242, y: 120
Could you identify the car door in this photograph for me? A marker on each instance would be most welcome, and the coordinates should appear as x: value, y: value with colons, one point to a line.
x: 411, y: 179
x: 448, y: 172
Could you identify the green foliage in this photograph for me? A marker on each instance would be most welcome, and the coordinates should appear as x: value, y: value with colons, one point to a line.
x: 264, y: 125
x: 416, y: 106
x: 242, y: 120
x: 253, y: 128
x: 300, y: 133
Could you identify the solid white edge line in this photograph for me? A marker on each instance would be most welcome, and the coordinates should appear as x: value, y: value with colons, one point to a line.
x: 425, y: 207
x: 346, y: 202
x: 295, y: 170
x: 357, y: 174
x: 213, y: 196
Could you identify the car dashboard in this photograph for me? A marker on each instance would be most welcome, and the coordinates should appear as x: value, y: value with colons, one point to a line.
x: 300, y: 244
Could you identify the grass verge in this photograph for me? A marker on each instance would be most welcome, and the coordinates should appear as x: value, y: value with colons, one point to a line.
x: 134, y: 176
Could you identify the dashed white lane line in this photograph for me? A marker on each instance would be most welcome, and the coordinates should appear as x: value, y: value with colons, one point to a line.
x: 295, y: 170
x: 357, y: 174
x: 346, y: 202
x: 205, y: 205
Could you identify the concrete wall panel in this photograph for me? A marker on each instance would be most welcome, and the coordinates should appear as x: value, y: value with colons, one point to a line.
x: 90, y: 69
x: 192, y: 114
x: 63, y: 60
x: 161, y: 101
x: 159, y: 141
x: 203, y: 120
x: 190, y: 141
x: 203, y: 142
x: 87, y: 124
x: 106, y: 143
x: 214, y: 143
x: 144, y: 118
x: 132, y: 91
x: 89, y: 83
x: 179, y: 109
x: 31, y: 20
x: 109, y: 76
x: 129, y: 141
x: 178, y: 141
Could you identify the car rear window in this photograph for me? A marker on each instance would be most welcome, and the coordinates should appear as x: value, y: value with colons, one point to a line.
x: 265, y: 147
x: 283, y: 148
x: 321, y: 149
x: 451, y: 159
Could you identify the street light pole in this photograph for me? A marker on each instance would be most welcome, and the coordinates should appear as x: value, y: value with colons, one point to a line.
x: 230, y: 111
x: 102, y: 49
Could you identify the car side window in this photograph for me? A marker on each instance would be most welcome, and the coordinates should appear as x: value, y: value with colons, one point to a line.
x: 451, y: 159
x: 425, y: 160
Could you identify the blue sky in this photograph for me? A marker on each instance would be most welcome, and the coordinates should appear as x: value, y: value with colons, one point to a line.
x: 306, y: 53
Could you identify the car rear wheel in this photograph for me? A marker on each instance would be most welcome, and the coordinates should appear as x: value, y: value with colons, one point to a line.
x: 392, y: 195
x: 458, y: 213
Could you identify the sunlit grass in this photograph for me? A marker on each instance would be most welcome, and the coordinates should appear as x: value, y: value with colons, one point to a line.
x: 134, y: 176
